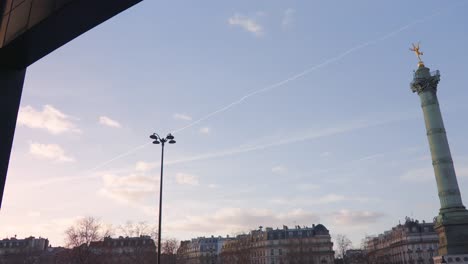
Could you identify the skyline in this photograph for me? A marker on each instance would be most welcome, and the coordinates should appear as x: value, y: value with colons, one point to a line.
x: 277, y: 95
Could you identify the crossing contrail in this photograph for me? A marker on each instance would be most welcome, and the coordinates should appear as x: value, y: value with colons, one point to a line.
x: 129, y: 152
x: 307, y: 71
x: 285, y: 81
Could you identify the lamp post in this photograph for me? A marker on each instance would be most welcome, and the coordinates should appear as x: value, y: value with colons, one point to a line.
x: 159, y: 140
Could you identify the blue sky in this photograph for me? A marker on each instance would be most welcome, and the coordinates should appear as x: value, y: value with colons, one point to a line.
x: 305, y: 107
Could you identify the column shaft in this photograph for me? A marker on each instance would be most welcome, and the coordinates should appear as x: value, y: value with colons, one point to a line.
x: 447, y: 185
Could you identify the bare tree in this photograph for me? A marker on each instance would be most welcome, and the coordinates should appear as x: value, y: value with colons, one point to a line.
x: 169, y: 246
x: 81, y: 234
x: 131, y: 229
x: 342, y: 244
x: 84, y: 231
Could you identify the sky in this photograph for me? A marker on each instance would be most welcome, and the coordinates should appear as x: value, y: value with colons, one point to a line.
x: 284, y: 112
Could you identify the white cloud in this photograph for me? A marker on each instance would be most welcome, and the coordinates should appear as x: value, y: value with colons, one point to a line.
x: 248, y: 24
x: 461, y: 172
x: 213, y: 186
x: 128, y: 189
x: 427, y: 174
x: 50, y: 119
x: 347, y: 217
x: 232, y: 220
x: 34, y: 213
x: 288, y: 18
x: 184, y: 117
x: 329, y: 198
x: 325, y: 154
x: 326, y: 199
x: 419, y: 175
x: 143, y: 166
x: 104, y: 120
x: 307, y: 187
x: 279, y: 169
x: 308, y: 134
x: 186, y: 179
x: 205, y: 130
x: 49, y: 151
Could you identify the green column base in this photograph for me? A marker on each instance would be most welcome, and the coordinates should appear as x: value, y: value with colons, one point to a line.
x: 452, y: 229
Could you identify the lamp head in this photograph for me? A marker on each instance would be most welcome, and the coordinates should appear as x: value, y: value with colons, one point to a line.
x: 170, y: 136
x: 172, y: 141
x: 156, y: 142
x: 154, y: 137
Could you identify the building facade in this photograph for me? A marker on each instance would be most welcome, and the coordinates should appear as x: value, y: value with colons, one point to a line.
x: 140, y: 249
x: 23, y: 246
x: 410, y: 243
x: 29, y: 249
x: 309, y: 245
x: 355, y: 256
x: 201, y: 250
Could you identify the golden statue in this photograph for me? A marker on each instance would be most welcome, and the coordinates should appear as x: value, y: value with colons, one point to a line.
x: 418, y: 53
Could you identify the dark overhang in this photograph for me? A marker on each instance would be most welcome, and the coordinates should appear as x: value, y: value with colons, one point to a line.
x: 31, y: 29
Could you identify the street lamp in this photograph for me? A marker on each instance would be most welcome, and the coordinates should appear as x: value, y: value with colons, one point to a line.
x: 159, y: 140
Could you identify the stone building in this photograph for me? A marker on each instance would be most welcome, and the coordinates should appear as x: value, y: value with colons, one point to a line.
x: 355, y: 256
x: 410, y: 243
x: 201, y: 250
x: 311, y: 245
x: 140, y: 249
x: 13, y: 250
x: 23, y: 246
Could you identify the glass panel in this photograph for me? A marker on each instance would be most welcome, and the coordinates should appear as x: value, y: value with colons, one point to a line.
x: 18, y: 21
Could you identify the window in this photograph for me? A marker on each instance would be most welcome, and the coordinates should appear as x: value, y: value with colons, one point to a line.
x: 280, y: 251
x: 272, y: 251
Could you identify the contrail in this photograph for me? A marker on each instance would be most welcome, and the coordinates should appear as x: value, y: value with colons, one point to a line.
x: 283, y: 82
x: 133, y: 150
x: 308, y: 71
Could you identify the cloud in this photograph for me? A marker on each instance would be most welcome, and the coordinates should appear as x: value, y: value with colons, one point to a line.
x: 347, y: 217
x: 104, y: 120
x: 232, y: 220
x: 34, y: 214
x: 461, y: 172
x: 248, y: 24
x: 128, y: 189
x: 426, y: 174
x: 419, y: 175
x: 50, y: 152
x: 143, y: 166
x: 184, y: 117
x: 288, y: 18
x: 279, y: 169
x: 329, y: 198
x: 187, y: 179
x: 205, y: 130
x: 371, y: 157
x: 322, y: 200
x: 307, y: 186
x: 325, y: 154
x: 52, y: 228
x: 50, y: 119
x: 299, y: 136
x: 213, y: 186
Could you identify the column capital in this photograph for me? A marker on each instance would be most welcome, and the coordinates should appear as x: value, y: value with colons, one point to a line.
x: 424, y: 80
